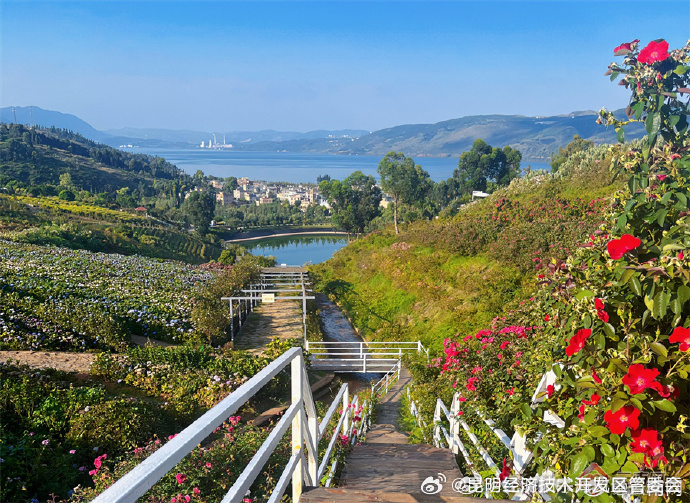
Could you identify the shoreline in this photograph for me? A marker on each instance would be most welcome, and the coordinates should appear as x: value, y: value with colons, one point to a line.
x: 258, y: 235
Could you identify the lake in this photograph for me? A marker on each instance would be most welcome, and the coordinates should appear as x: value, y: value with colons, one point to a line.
x: 293, y: 167
x: 298, y: 250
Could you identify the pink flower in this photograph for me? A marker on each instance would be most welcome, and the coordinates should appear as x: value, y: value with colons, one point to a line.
x: 208, y: 465
x: 196, y: 490
x: 181, y: 478
x: 73, y: 451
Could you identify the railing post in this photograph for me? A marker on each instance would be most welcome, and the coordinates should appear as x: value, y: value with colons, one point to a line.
x: 297, y: 441
x: 454, y: 424
x: 232, y: 323
x: 364, y: 364
x: 437, y: 425
x: 361, y: 350
x: 346, y: 405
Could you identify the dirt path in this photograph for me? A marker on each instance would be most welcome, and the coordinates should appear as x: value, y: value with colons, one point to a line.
x: 67, y: 362
x: 282, y: 319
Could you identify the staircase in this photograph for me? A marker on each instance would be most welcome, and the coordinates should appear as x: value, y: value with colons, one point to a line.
x: 386, y: 469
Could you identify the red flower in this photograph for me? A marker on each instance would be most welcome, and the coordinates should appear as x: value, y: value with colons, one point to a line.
x: 511, y: 391
x: 681, y: 335
x: 595, y: 377
x: 598, y: 303
x: 624, y: 418
x: 505, y: 472
x: 640, y: 378
x: 680, y: 256
x: 577, y: 341
x: 547, y: 317
x: 181, y: 478
x: 593, y: 400
x: 655, y: 51
x: 619, y: 247
x: 624, y: 49
x: 648, y: 442
x: 581, y: 415
x: 549, y: 390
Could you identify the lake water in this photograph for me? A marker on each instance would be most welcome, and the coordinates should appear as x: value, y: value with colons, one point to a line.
x: 293, y: 167
x: 298, y: 250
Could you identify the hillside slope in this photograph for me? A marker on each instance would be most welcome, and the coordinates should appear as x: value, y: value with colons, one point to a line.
x: 455, y: 274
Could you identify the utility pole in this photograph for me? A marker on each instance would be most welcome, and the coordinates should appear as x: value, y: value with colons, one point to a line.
x: 14, y: 111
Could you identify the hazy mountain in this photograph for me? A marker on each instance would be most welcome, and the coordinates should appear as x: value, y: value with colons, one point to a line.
x: 196, y: 137
x: 48, y: 118
x: 536, y: 137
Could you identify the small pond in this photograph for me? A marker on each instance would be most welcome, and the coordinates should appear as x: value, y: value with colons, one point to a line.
x: 298, y: 250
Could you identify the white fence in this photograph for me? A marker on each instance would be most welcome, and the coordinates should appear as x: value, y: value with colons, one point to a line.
x: 359, y: 356
x: 450, y: 437
x: 302, y: 469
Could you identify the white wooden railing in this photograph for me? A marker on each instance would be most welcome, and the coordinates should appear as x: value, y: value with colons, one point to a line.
x: 450, y: 438
x: 382, y: 386
x: 303, y: 467
x: 354, y: 356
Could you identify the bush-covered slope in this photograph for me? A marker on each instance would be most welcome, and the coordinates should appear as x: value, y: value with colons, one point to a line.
x: 456, y: 273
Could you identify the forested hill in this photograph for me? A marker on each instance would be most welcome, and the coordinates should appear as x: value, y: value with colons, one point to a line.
x: 39, y: 156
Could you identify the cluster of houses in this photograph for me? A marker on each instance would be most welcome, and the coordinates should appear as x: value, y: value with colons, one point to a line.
x: 259, y: 192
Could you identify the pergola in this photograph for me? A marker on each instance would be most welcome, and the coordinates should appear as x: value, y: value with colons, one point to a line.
x: 273, y: 282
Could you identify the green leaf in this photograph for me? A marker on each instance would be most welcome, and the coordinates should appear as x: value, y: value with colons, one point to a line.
x: 666, y: 197
x: 659, y: 349
x: 682, y: 198
x: 636, y: 403
x: 672, y: 247
x: 681, y: 69
x: 660, y: 306
x: 609, y: 330
x: 636, y: 287
x: 665, y: 405
x: 629, y: 467
x: 661, y: 216
x: 526, y: 410
x: 620, y: 134
x: 676, y: 306
x: 584, y: 293
x: 652, y: 123
x: 623, y: 220
x: 683, y: 294
x: 598, y: 431
x: 627, y: 274
x: 606, y: 449
x: 579, y: 463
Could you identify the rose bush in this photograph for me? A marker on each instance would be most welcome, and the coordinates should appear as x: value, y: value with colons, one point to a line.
x: 612, y: 319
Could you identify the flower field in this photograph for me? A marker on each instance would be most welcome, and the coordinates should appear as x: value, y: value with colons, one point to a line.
x: 55, y: 298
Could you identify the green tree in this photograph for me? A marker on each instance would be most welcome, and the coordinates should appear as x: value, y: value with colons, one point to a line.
x: 401, y: 178
x: 199, y: 209
x: 483, y: 163
x: 231, y: 183
x: 354, y: 201
x: 577, y: 145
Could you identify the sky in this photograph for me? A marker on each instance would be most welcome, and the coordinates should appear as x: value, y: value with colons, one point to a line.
x: 301, y: 66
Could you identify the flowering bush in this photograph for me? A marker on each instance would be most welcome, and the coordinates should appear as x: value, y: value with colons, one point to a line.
x: 611, y: 320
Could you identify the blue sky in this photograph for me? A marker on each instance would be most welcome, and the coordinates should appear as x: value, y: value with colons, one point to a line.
x: 301, y: 66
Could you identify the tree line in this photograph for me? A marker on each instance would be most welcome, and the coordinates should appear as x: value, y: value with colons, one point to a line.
x: 356, y: 200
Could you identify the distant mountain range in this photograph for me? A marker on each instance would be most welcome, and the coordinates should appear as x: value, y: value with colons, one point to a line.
x: 536, y: 137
